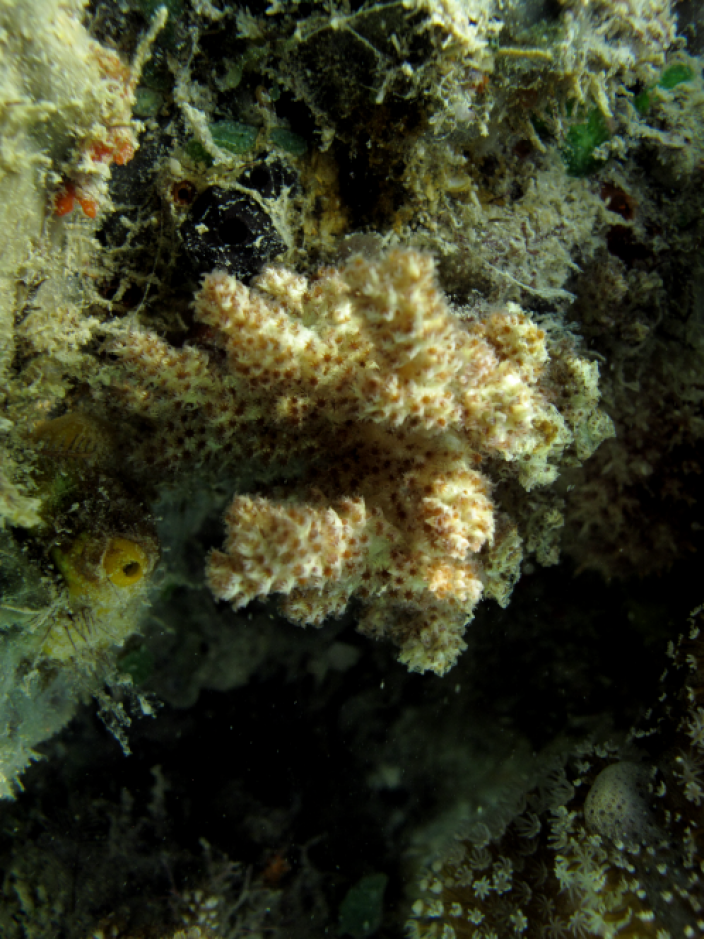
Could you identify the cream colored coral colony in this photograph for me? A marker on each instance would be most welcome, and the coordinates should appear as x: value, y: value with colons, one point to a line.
x: 389, y: 403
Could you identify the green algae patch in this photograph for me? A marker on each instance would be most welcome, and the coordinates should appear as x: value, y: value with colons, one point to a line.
x: 642, y: 102
x: 362, y: 910
x: 197, y: 152
x: 231, y: 136
x: 674, y: 75
x: 288, y: 141
x: 580, y: 143
x: 148, y: 102
x: 138, y: 664
x: 238, y: 138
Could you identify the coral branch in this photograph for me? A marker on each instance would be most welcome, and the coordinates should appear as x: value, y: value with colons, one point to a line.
x: 389, y: 401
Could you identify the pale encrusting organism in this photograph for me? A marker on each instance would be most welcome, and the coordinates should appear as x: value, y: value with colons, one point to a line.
x: 367, y: 363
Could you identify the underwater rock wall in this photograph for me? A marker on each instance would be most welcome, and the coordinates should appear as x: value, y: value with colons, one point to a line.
x: 414, y: 287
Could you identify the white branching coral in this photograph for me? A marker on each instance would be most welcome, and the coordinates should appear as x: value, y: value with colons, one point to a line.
x: 388, y: 402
